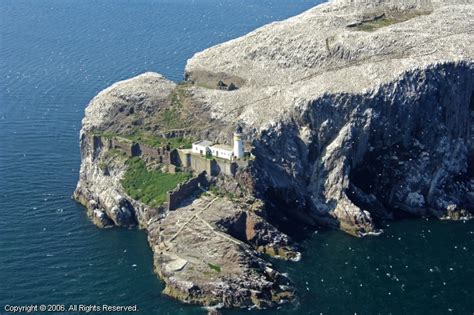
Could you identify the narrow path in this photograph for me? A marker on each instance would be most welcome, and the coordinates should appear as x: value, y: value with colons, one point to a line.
x: 196, y: 215
x: 192, y: 217
x: 218, y: 233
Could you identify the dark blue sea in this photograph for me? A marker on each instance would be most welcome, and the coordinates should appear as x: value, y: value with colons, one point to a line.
x: 55, y: 55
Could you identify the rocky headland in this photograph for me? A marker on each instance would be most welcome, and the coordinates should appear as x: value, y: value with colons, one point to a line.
x: 354, y: 112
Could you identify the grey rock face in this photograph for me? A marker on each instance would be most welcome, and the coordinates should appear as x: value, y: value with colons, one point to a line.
x: 111, y: 110
x: 101, y: 191
x: 202, y: 261
x: 353, y: 110
x: 348, y: 122
x: 220, y: 268
x: 403, y: 146
x: 126, y: 104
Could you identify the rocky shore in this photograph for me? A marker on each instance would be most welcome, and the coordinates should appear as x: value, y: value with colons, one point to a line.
x: 355, y: 112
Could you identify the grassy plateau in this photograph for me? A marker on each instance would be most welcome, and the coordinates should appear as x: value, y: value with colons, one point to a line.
x: 149, y: 186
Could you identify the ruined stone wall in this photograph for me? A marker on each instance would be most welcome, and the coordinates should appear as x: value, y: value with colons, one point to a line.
x: 212, y: 167
x: 163, y: 155
x: 160, y: 154
x: 130, y: 148
x: 155, y: 153
x: 175, y: 157
x: 180, y: 158
x: 184, y: 190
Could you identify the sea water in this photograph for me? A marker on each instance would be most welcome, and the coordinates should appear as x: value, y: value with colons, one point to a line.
x: 55, y: 55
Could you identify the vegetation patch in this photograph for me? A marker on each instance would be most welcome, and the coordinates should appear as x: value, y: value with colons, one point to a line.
x: 206, y: 86
x: 114, y: 153
x: 156, y: 142
x: 213, y: 189
x: 110, y: 157
x: 214, y: 267
x: 171, y: 118
x: 104, y: 134
x: 103, y: 166
x: 384, y: 20
x: 149, y: 186
x: 179, y: 94
x: 149, y: 139
x: 374, y: 25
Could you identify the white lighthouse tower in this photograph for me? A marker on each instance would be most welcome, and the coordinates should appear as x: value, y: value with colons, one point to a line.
x: 238, y: 143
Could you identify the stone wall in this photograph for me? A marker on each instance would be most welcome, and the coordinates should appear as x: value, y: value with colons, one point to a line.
x: 225, y: 167
x: 201, y: 164
x: 212, y: 167
x: 162, y: 154
x: 174, y: 157
x: 130, y: 148
x: 183, y: 191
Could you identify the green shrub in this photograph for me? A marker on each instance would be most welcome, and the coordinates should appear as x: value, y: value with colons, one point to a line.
x: 150, y: 140
x: 214, y: 190
x: 114, y: 153
x: 185, y: 143
x: 214, y: 267
x: 149, y: 186
x: 374, y: 25
x: 171, y: 118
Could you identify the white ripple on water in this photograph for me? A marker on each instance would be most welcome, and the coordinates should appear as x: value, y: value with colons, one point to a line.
x: 85, y: 239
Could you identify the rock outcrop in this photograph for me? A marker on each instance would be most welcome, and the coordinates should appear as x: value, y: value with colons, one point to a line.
x: 353, y: 111
x: 116, y: 109
x: 204, y: 259
x: 356, y: 109
x: 201, y: 250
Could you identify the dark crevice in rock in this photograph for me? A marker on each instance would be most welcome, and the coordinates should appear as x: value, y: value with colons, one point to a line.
x: 351, y: 160
x: 288, y: 214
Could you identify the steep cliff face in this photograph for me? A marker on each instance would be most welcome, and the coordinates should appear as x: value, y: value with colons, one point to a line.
x: 203, y: 251
x: 118, y: 109
x: 401, y: 147
x: 99, y: 189
x: 353, y: 111
x: 356, y: 110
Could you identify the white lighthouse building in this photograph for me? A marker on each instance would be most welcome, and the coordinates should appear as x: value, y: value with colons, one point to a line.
x: 238, y: 143
x: 223, y: 151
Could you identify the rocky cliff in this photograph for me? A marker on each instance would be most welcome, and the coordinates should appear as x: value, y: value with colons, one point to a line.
x: 354, y: 112
x: 206, y: 251
x: 356, y: 109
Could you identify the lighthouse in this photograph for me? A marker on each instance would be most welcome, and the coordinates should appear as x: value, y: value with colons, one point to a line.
x: 238, y: 143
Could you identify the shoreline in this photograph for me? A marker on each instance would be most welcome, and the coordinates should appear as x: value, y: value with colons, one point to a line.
x: 320, y: 146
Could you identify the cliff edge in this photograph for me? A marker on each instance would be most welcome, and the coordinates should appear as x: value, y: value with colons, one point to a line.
x: 353, y: 112
x: 358, y: 109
